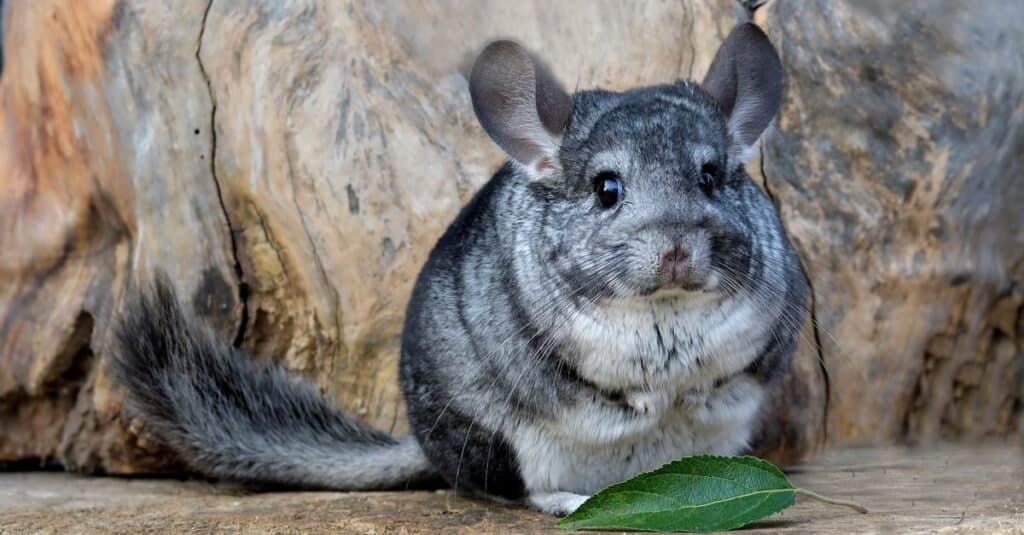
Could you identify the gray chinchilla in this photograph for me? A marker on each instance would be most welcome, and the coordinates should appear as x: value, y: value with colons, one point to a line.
x: 620, y: 294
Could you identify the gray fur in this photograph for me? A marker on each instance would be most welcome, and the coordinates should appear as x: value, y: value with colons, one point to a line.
x: 541, y: 317
x: 519, y: 103
x: 228, y: 416
x: 544, y: 355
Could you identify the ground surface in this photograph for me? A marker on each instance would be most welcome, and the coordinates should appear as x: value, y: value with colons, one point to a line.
x: 941, y: 489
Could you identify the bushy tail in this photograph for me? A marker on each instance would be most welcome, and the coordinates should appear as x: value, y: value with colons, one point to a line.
x: 227, y: 416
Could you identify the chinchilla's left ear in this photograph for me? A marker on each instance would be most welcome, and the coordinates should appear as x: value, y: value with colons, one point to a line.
x: 746, y: 79
x: 520, y: 105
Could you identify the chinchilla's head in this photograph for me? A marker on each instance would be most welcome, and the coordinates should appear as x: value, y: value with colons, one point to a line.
x: 641, y: 192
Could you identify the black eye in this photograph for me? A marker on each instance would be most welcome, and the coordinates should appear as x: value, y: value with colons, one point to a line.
x: 708, y: 178
x: 608, y: 186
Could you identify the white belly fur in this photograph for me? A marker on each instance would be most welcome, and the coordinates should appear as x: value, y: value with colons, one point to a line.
x: 596, y: 443
x: 552, y: 458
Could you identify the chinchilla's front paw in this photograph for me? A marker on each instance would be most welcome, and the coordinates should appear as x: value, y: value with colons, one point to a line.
x: 556, y: 503
x: 648, y: 403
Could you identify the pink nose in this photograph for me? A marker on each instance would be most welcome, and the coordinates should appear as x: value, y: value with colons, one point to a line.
x: 673, y: 263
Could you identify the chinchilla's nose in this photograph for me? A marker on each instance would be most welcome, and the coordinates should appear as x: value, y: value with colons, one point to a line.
x: 674, y: 261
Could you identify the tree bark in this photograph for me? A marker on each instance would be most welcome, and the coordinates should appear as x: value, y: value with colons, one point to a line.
x: 290, y: 165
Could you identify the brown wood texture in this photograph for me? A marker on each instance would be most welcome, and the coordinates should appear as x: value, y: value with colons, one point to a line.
x: 290, y: 164
x: 947, y: 489
x: 898, y: 165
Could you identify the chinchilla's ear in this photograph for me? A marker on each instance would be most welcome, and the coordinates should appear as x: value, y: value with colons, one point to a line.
x: 520, y: 105
x: 746, y: 79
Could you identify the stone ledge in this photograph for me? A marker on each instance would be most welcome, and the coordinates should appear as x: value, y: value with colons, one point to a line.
x: 947, y: 489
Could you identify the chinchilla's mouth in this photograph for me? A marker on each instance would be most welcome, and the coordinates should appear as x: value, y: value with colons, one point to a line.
x: 682, y: 285
x: 695, y: 295
x: 675, y: 290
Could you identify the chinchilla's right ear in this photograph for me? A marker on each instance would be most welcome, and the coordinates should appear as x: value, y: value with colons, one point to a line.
x: 520, y: 105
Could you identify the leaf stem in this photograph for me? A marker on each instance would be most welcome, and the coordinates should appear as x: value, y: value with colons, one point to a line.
x: 815, y: 496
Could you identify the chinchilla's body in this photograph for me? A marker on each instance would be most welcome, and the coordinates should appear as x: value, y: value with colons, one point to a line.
x: 619, y: 295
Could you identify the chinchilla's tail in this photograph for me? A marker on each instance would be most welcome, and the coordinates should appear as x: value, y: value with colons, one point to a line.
x: 227, y: 416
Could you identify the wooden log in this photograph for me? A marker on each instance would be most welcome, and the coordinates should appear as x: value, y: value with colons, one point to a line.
x: 962, y: 489
x: 291, y: 163
x: 897, y: 165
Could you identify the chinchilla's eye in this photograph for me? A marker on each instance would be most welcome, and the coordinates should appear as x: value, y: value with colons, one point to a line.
x: 708, y: 178
x: 608, y: 187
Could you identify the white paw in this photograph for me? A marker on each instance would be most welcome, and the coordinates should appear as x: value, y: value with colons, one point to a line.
x: 648, y: 403
x: 556, y: 503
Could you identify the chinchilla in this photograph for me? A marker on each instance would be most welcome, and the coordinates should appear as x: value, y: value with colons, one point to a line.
x: 620, y: 294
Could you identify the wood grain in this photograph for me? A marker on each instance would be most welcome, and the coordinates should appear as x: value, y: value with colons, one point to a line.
x: 290, y: 164
x: 944, y: 489
x: 897, y: 164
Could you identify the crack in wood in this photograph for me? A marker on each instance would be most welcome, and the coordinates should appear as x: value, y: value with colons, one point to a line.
x: 812, y: 307
x: 243, y: 287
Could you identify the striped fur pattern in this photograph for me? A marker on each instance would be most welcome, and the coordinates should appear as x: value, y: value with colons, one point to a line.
x: 543, y: 356
x: 228, y: 416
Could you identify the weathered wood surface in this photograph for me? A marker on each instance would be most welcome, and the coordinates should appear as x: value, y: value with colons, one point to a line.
x: 291, y: 162
x: 898, y: 164
x: 938, y: 490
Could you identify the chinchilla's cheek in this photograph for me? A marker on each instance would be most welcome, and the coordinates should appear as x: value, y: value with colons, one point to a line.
x: 731, y: 256
x: 700, y: 257
x: 713, y: 280
x: 642, y: 274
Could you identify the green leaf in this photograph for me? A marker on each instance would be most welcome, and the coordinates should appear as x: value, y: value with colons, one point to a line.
x: 703, y: 493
